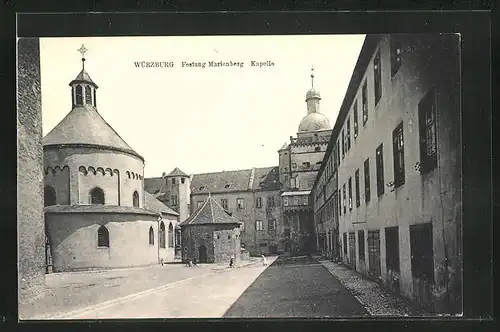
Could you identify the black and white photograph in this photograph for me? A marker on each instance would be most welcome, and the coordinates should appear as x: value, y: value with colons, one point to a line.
x: 240, y: 176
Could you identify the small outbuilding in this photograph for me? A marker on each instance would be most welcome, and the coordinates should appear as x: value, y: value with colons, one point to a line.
x: 210, y: 235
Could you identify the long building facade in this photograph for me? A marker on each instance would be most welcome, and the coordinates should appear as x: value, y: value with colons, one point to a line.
x: 387, y: 200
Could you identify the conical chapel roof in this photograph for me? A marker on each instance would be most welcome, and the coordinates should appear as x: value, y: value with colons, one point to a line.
x: 85, y: 126
x: 210, y: 213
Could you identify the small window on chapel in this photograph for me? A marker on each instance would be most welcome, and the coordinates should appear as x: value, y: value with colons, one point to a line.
x: 88, y: 95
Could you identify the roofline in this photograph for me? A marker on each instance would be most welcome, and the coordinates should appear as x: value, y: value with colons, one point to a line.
x: 144, y: 212
x: 83, y: 81
x: 97, y: 146
x: 211, y: 223
x: 369, y: 45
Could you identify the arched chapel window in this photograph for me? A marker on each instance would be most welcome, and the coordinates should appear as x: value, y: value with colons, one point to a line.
x: 162, y: 235
x: 151, y: 236
x: 96, y: 196
x: 88, y: 95
x: 170, y: 236
x: 49, y: 196
x: 79, y: 95
x: 103, y: 237
x: 135, y: 199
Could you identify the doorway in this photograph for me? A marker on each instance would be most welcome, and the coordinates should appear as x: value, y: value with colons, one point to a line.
x: 202, y: 254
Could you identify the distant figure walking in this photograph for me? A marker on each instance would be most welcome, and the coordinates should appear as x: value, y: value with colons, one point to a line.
x: 231, y: 262
x: 264, y: 260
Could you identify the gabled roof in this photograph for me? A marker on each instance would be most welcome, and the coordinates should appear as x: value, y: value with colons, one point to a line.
x: 225, y: 181
x: 84, y: 125
x: 177, y: 172
x: 155, y: 186
x: 154, y: 205
x: 284, y: 146
x: 266, y: 178
x: 210, y: 213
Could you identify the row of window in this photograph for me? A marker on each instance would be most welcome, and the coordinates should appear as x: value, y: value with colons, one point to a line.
x: 174, y: 181
x: 421, y: 248
x: 259, y: 225
x: 240, y: 203
x: 81, y: 94
x: 344, y: 142
x: 296, y: 200
x: 103, y: 236
x: 428, y: 157
x: 96, y: 196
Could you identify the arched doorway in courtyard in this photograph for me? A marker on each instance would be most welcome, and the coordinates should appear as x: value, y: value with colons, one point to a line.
x: 202, y: 254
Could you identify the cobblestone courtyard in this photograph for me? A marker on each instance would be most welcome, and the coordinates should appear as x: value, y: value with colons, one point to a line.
x: 288, y: 287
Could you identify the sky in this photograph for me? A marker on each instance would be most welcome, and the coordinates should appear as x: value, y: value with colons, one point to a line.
x: 201, y: 119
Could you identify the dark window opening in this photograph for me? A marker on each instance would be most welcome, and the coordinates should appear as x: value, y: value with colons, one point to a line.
x: 343, y: 144
x: 377, y: 73
x: 224, y: 203
x: 399, y: 155
x: 422, y: 254
x: 79, y: 95
x: 380, y: 169
x: 348, y: 138
x: 174, y: 200
x: 258, y: 203
x: 183, y: 180
x: 364, y: 96
x: 427, y: 132
x: 239, y: 203
x: 361, y: 245
x: 49, y: 196
x: 374, y: 253
x: 355, y: 115
x: 350, y: 194
x: 173, y: 181
x: 88, y: 95
x: 97, y: 196
x: 103, y: 237
x: 135, y: 199
x: 151, y: 236
x: 170, y: 236
x: 345, y: 244
x: 367, y: 180
x: 162, y: 235
x: 392, y: 249
x: 352, y: 249
x: 345, y: 198
x: 396, y: 55
x: 356, y: 184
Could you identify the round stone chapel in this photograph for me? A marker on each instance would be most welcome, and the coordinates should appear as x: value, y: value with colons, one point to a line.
x: 97, y: 214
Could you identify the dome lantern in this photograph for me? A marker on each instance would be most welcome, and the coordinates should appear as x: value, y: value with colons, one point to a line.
x: 314, y: 120
x: 83, y: 89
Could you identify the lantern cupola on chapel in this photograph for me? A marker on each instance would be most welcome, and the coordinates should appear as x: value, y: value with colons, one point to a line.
x: 83, y: 89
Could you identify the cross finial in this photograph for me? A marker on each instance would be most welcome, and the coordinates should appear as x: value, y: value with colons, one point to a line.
x: 83, y: 50
x: 312, y: 76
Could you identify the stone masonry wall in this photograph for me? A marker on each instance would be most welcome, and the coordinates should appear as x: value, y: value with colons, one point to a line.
x: 31, y: 233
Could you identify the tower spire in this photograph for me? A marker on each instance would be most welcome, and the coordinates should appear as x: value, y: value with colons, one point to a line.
x: 83, y: 50
x: 312, y: 77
